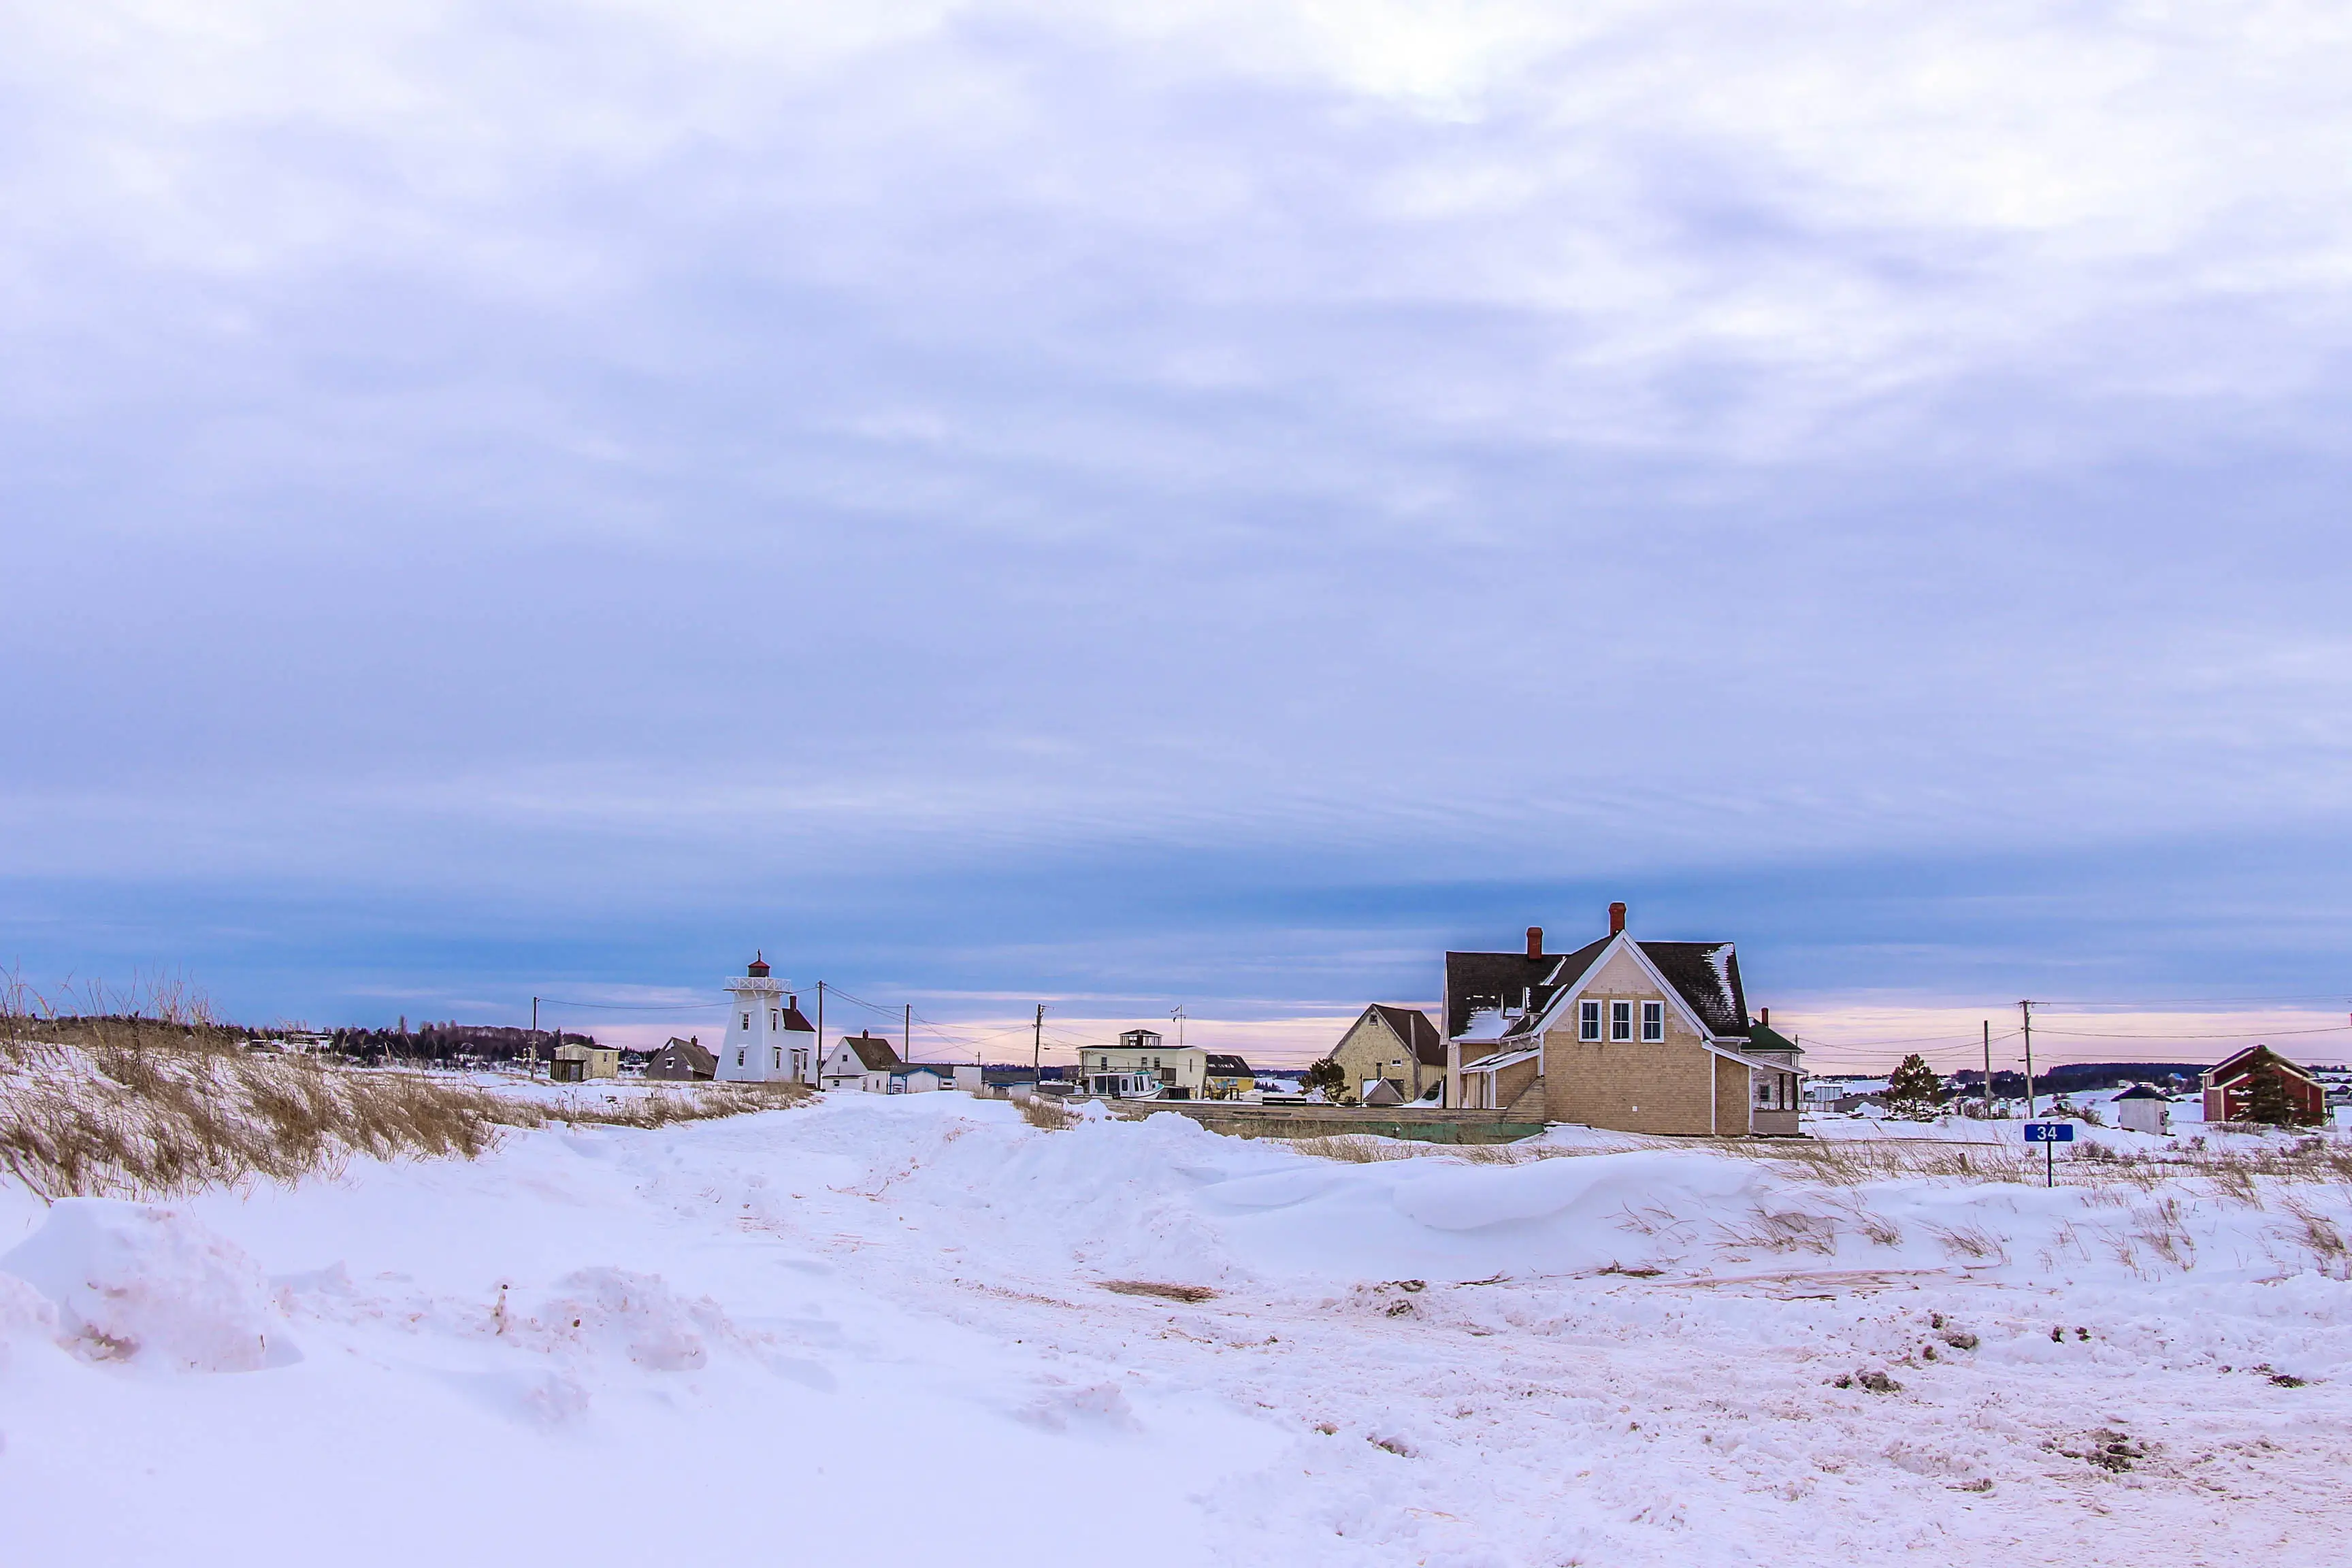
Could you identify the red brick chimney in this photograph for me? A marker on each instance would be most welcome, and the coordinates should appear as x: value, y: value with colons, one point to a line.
x: 1764, y: 1016
x: 1616, y: 920
x: 1535, y: 942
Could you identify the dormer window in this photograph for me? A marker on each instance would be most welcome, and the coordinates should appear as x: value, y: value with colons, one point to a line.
x: 1588, y: 1020
x: 1620, y: 1020
x: 1653, y: 1020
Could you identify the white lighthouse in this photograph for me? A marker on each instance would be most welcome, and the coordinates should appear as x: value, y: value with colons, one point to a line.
x: 767, y: 1041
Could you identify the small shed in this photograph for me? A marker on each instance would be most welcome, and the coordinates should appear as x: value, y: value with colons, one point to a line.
x: 910, y: 1078
x: 578, y: 1064
x: 2141, y: 1109
x: 996, y: 1083
x: 682, y: 1061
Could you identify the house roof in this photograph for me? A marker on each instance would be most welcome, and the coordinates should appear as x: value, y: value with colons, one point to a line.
x: 1765, y: 1037
x: 2232, y: 1067
x: 901, y: 1069
x: 797, y: 1022
x: 1475, y: 980
x: 1705, y: 974
x: 1413, y: 1028
x: 874, y: 1052
x: 693, y: 1050
x: 1230, y: 1067
x: 1504, y: 1060
x: 2141, y: 1091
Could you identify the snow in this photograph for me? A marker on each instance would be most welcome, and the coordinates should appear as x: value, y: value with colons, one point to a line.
x: 879, y: 1330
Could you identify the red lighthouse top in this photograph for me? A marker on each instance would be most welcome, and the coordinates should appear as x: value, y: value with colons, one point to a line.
x: 758, y: 968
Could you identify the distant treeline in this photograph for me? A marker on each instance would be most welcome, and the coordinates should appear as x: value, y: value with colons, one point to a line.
x: 452, y: 1044
x: 2078, y: 1077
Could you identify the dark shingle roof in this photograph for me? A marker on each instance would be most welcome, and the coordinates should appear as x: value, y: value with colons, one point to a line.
x: 797, y: 1023
x: 1707, y: 976
x: 1489, y: 979
x: 874, y: 1052
x: 1765, y: 1037
x: 1420, y: 1036
x: 1228, y: 1067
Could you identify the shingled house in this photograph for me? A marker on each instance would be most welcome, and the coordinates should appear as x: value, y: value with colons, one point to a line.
x: 852, y: 1058
x: 1391, y: 1056
x: 1638, y: 1037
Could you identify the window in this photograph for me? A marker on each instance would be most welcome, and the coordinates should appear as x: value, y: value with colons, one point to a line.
x: 1588, y: 1020
x: 771, y: 1017
x: 747, y: 1022
x: 1620, y: 1020
x: 1764, y: 1093
x: 779, y: 1055
x: 1653, y: 1020
x: 739, y: 1059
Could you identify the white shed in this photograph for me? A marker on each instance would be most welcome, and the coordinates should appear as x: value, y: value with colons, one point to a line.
x: 2141, y: 1109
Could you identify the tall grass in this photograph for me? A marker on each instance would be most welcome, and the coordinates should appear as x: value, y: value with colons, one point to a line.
x: 147, y: 1119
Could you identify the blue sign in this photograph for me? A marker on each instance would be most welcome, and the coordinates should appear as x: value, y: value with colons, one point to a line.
x: 2049, y: 1132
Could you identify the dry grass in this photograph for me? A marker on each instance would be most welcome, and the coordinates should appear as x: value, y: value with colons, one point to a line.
x: 1045, y: 1112
x: 1785, y: 1230
x: 1192, y: 1293
x: 1970, y: 1241
x: 153, y: 1121
x: 1359, y: 1149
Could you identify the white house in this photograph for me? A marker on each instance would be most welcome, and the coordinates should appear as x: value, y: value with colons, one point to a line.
x: 1142, y: 1065
x: 767, y: 1040
x: 852, y: 1058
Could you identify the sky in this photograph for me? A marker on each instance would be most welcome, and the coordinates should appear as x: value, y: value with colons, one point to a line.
x: 1180, y: 504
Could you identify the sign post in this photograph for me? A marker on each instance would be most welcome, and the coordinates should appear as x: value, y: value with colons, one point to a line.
x: 2050, y: 1134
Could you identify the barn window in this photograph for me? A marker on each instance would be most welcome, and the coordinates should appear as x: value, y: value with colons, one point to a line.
x: 1620, y: 1020
x: 1588, y: 1020
x: 1653, y: 1020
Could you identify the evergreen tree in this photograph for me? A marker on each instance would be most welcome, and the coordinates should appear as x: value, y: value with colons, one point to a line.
x: 2267, y: 1100
x: 1915, y: 1090
x: 1327, y: 1076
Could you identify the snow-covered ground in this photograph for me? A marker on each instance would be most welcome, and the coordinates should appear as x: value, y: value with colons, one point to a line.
x: 882, y: 1330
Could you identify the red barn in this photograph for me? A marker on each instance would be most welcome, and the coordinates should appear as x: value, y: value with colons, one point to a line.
x: 2229, y: 1088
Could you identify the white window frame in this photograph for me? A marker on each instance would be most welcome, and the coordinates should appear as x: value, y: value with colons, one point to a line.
x: 1620, y: 1022
x: 778, y: 1064
x: 1653, y: 1022
x: 1588, y: 1020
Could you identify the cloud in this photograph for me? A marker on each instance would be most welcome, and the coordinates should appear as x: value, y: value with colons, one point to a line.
x: 641, y: 451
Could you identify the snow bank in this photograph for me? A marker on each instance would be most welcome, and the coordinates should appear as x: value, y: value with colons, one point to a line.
x: 132, y: 1282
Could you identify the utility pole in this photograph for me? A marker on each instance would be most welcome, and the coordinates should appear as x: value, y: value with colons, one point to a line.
x: 1037, y: 1049
x: 2027, y: 1009
x: 531, y: 1060
x: 817, y: 1076
x: 906, y: 1035
x: 1988, y: 1032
